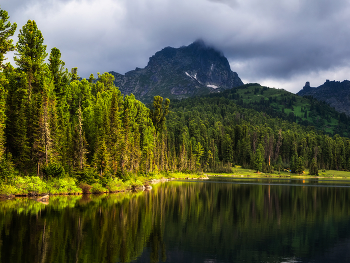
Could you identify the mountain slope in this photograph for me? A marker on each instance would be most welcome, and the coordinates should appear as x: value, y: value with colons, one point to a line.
x: 335, y: 93
x: 280, y: 103
x: 177, y: 73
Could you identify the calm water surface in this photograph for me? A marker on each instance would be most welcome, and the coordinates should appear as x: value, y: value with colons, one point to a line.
x: 220, y: 220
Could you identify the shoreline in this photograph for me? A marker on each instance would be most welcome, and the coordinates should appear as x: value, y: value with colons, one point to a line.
x: 145, y: 187
x: 147, y: 184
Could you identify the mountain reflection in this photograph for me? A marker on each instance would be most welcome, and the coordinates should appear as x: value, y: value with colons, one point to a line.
x: 180, y: 222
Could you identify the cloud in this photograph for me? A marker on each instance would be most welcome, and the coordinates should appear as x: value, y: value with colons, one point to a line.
x: 273, y: 41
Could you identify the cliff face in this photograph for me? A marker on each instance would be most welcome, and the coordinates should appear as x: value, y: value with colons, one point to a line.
x: 335, y: 93
x: 179, y: 73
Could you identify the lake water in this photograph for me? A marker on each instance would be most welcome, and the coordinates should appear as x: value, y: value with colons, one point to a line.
x: 232, y: 220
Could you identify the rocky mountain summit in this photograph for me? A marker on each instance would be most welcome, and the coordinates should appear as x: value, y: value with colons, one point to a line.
x: 335, y: 93
x: 177, y: 73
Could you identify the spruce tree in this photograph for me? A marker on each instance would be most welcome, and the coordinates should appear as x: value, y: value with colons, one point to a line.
x: 159, y: 112
x: 259, y: 158
x: 59, y: 73
x: 31, y: 53
x: 30, y: 56
x: 313, y: 170
x: 6, y: 32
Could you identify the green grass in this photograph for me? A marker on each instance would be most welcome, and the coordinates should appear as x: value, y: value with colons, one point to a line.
x: 241, y: 172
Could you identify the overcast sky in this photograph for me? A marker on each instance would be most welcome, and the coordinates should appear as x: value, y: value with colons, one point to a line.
x: 277, y: 43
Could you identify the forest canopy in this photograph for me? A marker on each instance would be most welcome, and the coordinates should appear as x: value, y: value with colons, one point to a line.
x: 54, y: 124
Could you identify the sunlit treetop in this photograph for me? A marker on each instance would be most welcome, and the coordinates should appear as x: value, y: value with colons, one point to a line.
x: 6, y: 31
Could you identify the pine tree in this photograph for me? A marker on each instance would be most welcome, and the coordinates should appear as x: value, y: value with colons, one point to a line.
x: 31, y: 53
x: 299, y: 166
x: 6, y: 32
x: 259, y: 158
x: 101, y: 159
x: 59, y: 73
x: 159, y: 112
x: 313, y: 170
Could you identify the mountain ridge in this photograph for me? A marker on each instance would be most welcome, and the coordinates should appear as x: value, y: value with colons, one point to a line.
x: 176, y: 73
x: 335, y: 93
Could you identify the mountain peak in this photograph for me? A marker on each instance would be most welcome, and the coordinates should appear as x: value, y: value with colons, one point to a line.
x: 335, y: 93
x: 192, y: 70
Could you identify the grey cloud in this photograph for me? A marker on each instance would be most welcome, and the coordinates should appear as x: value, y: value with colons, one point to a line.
x: 274, y: 39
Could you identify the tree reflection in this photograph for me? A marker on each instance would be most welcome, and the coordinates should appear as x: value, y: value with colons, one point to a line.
x: 230, y: 221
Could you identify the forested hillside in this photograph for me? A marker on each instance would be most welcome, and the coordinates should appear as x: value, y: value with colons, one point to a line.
x: 288, y: 106
x: 215, y: 131
x: 52, y: 124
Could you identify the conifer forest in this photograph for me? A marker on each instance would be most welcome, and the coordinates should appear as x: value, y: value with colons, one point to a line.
x: 54, y: 124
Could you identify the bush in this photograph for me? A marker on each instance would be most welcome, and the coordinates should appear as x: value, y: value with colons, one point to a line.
x: 85, y: 188
x: 6, y: 189
x: 135, y: 183
x: 115, y: 185
x: 29, y: 185
x: 97, y: 188
x: 63, y: 186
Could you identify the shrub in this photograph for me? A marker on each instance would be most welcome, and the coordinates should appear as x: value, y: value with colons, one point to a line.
x: 135, y: 183
x: 97, y: 188
x: 85, y: 188
x: 115, y: 185
x: 29, y: 185
x: 6, y: 189
x: 63, y: 186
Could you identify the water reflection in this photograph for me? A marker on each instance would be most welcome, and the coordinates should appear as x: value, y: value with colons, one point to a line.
x: 183, y: 222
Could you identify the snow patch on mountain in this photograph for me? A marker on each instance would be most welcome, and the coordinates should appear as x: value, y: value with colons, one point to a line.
x: 212, y: 86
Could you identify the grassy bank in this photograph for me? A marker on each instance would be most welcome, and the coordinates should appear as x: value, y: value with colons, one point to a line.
x: 238, y: 171
x: 34, y: 186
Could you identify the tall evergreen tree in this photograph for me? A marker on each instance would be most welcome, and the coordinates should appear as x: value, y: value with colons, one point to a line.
x: 59, y: 73
x: 159, y: 112
x: 313, y: 167
x: 259, y: 158
x: 6, y: 32
x: 31, y: 53
x: 30, y: 56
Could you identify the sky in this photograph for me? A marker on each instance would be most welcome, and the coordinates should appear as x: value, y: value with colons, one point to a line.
x: 277, y: 43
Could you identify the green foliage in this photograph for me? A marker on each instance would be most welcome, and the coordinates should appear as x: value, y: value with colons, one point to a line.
x: 288, y: 106
x: 32, y: 185
x: 55, y: 124
x: 6, y: 189
x: 97, y: 188
x: 259, y: 159
x: 134, y: 183
x: 115, y: 185
x: 7, y: 171
x: 63, y: 186
x: 6, y: 32
x: 313, y: 170
x: 88, y: 175
x: 159, y: 112
x: 299, y: 165
x: 53, y: 170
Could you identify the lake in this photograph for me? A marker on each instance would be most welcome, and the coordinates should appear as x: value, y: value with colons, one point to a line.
x: 218, y: 220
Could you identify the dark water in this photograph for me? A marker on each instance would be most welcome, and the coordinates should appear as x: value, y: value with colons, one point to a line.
x: 247, y: 220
